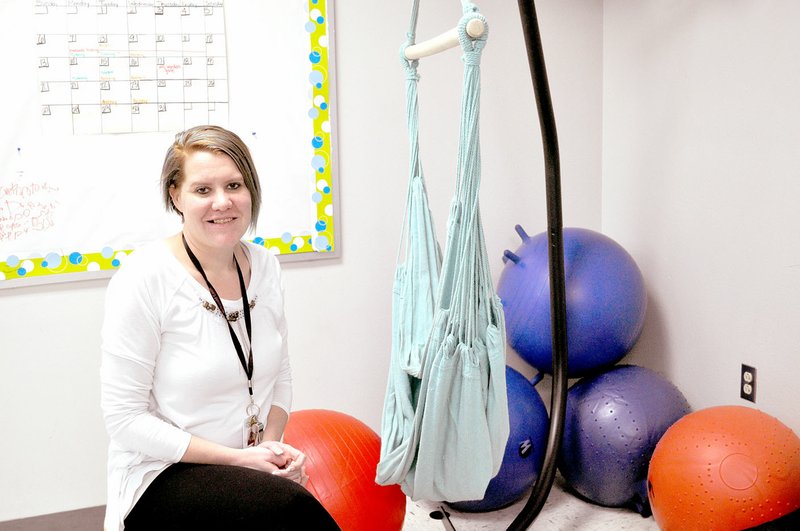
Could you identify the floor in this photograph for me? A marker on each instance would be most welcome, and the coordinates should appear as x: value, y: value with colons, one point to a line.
x: 561, y: 512
x: 90, y: 519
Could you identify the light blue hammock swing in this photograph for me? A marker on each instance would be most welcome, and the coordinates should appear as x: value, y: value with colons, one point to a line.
x: 445, y: 419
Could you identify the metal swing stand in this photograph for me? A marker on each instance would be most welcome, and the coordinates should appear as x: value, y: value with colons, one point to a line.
x: 558, y: 305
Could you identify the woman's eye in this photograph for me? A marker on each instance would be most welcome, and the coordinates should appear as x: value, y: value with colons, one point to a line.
x: 201, y: 190
x: 235, y: 186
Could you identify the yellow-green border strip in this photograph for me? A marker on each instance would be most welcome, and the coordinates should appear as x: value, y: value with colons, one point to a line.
x: 321, y: 239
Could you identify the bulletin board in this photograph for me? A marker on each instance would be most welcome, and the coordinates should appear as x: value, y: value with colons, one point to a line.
x: 101, y: 88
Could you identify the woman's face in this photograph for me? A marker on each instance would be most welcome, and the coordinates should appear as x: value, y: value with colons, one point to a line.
x: 214, y: 200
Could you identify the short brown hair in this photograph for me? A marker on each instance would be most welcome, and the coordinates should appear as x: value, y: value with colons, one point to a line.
x: 214, y: 139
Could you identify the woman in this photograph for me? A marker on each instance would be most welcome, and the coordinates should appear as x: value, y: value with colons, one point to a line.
x: 196, y: 382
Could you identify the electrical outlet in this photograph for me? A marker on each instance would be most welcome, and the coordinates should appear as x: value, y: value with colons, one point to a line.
x: 747, y: 383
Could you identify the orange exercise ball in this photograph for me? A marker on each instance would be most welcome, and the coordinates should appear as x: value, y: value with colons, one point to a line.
x: 724, y: 468
x: 342, y: 454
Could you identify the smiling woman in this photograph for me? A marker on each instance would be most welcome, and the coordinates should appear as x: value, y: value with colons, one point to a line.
x: 209, y: 179
x: 195, y: 378
x: 213, y: 201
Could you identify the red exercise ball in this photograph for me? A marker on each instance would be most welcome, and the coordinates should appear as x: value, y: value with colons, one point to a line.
x: 342, y: 454
x: 723, y: 468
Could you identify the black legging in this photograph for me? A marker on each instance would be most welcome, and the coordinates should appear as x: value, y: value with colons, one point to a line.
x: 189, y: 496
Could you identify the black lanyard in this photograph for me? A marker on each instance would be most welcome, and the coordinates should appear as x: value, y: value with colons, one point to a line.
x: 246, y: 365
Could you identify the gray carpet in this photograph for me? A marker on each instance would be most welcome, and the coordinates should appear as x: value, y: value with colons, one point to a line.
x: 90, y: 519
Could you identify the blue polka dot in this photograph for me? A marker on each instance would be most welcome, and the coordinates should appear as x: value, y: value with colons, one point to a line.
x: 316, y: 78
x: 320, y: 20
x: 317, y: 142
x: 313, y: 113
x: 22, y: 271
x: 75, y: 258
x: 323, y: 106
x: 320, y: 170
x: 286, y: 237
x: 310, y: 27
x: 322, y: 243
x: 107, y: 252
x: 314, y: 57
x: 115, y: 262
x: 316, y: 197
x: 12, y: 260
x: 314, y: 1
x: 320, y: 226
x: 258, y: 240
x: 318, y: 162
x: 318, y: 85
x: 327, y: 189
x: 293, y: 247
x: 52, y: 260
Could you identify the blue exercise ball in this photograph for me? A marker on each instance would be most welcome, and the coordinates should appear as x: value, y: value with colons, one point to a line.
x: 524, y: 454
x: 605, y: 298
x: 612, y: 424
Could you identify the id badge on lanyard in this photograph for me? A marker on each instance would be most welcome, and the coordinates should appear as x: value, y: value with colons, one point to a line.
x: 253, y: 430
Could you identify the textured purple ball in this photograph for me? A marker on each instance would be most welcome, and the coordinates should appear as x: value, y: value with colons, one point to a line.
x: 613, y: 422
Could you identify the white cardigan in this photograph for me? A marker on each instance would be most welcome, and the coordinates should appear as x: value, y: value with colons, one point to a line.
x: 170, y: 371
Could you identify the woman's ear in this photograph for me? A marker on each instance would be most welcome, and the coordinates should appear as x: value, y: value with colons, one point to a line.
x: 175, y: 195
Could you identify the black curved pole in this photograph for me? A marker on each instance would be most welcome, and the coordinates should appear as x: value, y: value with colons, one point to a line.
x: 558, y: 306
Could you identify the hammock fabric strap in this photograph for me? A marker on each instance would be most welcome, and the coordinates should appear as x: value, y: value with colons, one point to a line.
x: 445, y: 423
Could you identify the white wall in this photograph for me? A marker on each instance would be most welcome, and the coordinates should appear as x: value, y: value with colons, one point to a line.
x: 52, y: 448
x: 696, y: 105
x: 701, y: 181
x: 52, y: 440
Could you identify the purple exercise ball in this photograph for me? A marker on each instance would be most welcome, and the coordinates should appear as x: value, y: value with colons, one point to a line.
x: 605, y: 301
x: 612, y: 424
